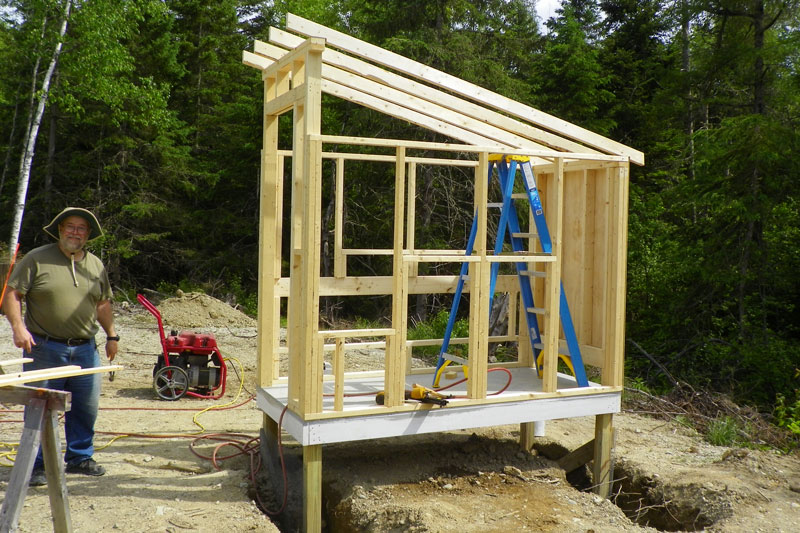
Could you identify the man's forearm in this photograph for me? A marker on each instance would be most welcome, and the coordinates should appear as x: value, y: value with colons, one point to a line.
x: 12, y: 306
x: 105, y: 317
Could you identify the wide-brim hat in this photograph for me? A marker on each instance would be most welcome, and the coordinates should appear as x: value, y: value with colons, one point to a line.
x: 52, y: 228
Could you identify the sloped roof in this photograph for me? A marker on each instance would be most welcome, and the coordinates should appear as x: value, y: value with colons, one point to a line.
x: 368, y: 75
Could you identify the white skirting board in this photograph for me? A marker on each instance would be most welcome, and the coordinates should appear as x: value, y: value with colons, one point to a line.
x: 431, y: 418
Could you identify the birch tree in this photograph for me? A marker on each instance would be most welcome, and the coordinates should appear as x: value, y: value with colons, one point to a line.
x: 29, y: 143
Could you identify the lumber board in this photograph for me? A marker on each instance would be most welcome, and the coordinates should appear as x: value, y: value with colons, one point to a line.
x: 535, y: 155
x: 31, y: 376
x: 617, y: 245
x: 602, y: 469
x: 312, y: 488
x: 18, y: 361
x: 479, y: 279
x: 55, y: 472
x: 23, y: 465
x: 463, y: 88
x: 553, y: 280
x: 396, y: 349
x: 369, y: 71
x: 577, y: 458
x: 339, y: 259
x: 412, y: 102
x: 22, y: 394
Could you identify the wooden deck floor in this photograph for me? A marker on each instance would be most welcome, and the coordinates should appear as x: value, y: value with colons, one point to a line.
x: 362, y: 418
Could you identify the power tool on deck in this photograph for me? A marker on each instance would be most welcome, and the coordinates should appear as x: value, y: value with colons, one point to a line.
x: 421, y: 394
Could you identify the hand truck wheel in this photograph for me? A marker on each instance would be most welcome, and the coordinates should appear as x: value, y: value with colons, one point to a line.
x: 171, y: 383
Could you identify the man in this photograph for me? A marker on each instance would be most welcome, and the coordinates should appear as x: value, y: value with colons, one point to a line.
x: 66, y: 292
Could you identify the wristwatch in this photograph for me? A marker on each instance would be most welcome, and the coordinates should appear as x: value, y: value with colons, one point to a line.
x: 115, y: 338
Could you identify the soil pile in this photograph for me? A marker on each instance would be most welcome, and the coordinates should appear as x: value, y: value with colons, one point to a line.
x: 198, y: 310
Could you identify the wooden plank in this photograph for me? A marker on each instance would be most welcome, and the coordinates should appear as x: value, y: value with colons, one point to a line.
x: 382, y: 285
x: 54, y: 471
x: 526, y: 436
x: 470, y: 148
x: 613, y: 371
x: 338, y: 373
x: 420, y: 119
x: 578, y: 457
x: 367, y: 332
x: 411, y: 214
x: 289, y: 62
x: 22, y: 394
x: 603, y: 445
x: 480, y: 274
x: 396, y: 353
x: 284, y: 102
x: 23, y: 466
x: 31, y: 376
x: 415, y: 419
x: 601, y: 224
x: 587, y: 275
x: 368, y: 71
x: 256, y: 61
x: 299, y: 307
x: 269, y: 244
x: 553, y: 280
x: 312, y: 489
x: 339, y: 259
x: 574, y: 257
x: 12, y: 362
x: 460, y: 87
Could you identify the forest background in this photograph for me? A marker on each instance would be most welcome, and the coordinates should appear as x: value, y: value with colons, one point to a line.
x: 143, y: 111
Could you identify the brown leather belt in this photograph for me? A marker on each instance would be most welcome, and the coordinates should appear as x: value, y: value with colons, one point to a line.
x: 69, y: 342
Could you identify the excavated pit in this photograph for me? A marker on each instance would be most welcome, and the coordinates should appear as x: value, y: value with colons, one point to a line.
x: 405, y: 484
x: 647, y: 500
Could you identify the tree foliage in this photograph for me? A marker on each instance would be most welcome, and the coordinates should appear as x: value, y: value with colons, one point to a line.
x: 154, y: 122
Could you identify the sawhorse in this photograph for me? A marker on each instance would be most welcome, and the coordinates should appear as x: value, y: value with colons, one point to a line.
x: 42, y: 408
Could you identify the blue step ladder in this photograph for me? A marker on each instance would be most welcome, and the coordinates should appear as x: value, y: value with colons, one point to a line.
x: 507, y: 167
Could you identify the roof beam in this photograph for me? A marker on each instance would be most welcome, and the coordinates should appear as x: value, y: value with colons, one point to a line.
x: 431, y: 94
x: 463, y: 88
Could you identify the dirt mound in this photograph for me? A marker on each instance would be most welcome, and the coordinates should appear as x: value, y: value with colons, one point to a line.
x: 198, y: 310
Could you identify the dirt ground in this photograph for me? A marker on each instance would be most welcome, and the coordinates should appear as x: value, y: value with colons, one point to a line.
x: 162, y: 478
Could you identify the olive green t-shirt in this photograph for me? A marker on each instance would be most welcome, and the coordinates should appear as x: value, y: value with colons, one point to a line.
x: 58, y: 304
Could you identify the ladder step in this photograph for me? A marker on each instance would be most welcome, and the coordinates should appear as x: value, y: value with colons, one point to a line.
x: 496, y: 205
x: 454, y: 358
x: 523, y: 235
x: 537, y: 310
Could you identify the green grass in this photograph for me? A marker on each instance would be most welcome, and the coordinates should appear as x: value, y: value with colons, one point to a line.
x: 724, y: 431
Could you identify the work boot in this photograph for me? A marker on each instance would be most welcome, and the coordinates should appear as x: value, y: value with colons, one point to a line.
x: 38, y: 478
x: 87, y: 467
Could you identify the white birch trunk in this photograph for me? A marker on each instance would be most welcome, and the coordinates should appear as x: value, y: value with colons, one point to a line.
x: 30, y: 139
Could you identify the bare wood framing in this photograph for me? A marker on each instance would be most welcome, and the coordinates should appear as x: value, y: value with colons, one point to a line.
x: 458, y: 86
x: 583, y: 184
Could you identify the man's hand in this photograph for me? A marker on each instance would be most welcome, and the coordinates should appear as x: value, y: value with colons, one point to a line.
x: 13, y: 308
x: 23, y: 339
x: 111, y: 349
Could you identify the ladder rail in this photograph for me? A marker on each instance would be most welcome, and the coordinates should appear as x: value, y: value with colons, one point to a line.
x: 509, y: 223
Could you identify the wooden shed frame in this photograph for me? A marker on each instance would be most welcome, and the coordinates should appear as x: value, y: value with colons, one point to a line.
x: 583, y: 182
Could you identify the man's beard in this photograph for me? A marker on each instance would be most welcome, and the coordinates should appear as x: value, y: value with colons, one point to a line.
x: 71, y: 246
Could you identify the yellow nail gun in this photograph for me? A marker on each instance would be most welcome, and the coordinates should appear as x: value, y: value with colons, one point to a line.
x: 421, y: 394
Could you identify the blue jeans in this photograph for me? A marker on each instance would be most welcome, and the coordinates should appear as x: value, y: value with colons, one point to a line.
x: 79, y: 420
